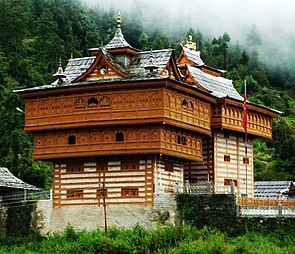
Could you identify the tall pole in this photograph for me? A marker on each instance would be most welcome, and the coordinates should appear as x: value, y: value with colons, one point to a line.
x: 245, y: 119
x: 104, y: 207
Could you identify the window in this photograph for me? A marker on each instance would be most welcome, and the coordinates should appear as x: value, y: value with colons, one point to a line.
x: 72, y: 140
x: 129, y: 192
x: 119, y: 137
x: 169, y: 166
x: 102, y: 166
x: 129, y: 165
x: 92, y: 101
x: 246, y: 160
x: 178, y: 139
x: 227, y: 158
x: 75, y: 167
x: 228, y: 182
x: 184, y: 103
x: 75, y: 194
x: 183, y: 140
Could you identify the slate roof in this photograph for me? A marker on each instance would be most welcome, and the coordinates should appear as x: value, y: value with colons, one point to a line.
x: 118, y: 41
x: 8, y: 180
x: 157, y: 58
x: 271, y: 189
x: 194, y: 56
x: 218, y: 86
x: 77, y: 66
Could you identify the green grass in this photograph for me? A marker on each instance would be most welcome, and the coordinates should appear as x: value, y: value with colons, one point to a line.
x: 182, y: 239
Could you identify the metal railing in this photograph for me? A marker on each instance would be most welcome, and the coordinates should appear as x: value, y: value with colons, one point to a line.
x: 26, y: 195
x: 198, y: 188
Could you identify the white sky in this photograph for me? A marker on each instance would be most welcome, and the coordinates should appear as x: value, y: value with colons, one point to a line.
x: 274, y: 19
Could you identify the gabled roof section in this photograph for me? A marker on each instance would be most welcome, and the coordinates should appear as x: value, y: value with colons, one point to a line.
x: 218, y: 86
x: 103, y: 58
x: 191, y: 57
x: 162, y: 59
x: 8, y: 180
x: 77, y: 66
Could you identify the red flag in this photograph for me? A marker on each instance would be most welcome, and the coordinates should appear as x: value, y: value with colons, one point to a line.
x: 245, y: 110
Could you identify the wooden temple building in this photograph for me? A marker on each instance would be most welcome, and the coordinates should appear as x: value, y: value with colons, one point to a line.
x: 129, y: 125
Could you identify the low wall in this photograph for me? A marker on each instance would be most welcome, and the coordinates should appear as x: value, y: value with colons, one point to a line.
x: 217, y: 210
x: 49, y: 220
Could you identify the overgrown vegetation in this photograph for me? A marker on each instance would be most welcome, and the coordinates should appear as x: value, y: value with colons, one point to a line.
x: 36, y: 33
x: 179, y: 239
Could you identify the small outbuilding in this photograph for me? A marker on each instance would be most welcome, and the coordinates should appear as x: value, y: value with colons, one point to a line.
x: 274, y: 189
x: 13, y: 188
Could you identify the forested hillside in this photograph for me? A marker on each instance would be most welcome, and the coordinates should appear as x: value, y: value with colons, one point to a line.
x: 34, y: 34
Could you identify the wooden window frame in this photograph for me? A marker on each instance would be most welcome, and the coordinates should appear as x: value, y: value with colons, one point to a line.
x: 73, y: 167
x: 102, y: 166
x: 226, y: 158
x: 168, y: 166
x: 130, y: 192
x: 75, y: 194
x: 227, y: 182
x: 246, y: 160
x: 130, y: 165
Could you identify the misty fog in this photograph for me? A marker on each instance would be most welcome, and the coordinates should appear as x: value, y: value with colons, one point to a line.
x: 274, y: 20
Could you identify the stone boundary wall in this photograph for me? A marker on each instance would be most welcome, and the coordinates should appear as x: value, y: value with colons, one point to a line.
x: 48, y: 220
x: 217, y: 210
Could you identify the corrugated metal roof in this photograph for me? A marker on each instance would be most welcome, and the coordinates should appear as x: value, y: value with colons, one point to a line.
x: 218, y: 86
x: 194, y: 56
x: 271, y: 189
x: 8, y: 180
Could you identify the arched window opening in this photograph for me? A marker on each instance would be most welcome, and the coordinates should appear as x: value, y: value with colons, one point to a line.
x: 72, y: 140
x: 92, y: 101
x: 178, y: 139
x: 183, y: 140
x: 184, y: 103
x: 119, y: 137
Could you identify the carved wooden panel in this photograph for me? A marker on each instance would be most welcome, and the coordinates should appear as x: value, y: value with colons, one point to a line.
x: 187, y: 109
x: 104, y: 141
x: 232, y: 118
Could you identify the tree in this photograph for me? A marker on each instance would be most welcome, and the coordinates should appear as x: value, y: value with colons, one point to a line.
x: 253, y: 37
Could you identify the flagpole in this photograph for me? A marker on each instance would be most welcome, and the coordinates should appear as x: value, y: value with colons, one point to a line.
x: 245, y: 119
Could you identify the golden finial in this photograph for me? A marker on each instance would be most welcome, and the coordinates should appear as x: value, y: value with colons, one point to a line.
x: 190, y: 44
x: 119, y: 20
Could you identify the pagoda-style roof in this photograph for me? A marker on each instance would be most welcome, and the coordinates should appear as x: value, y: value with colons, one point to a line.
x: 78, y: 69
x: 218, y: 86
x: 118, y: 41
x: 9, y: 181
